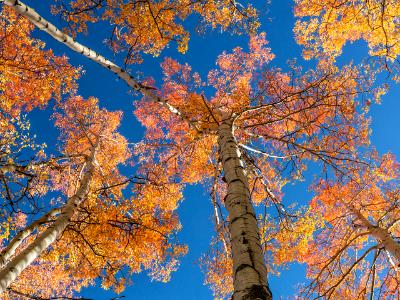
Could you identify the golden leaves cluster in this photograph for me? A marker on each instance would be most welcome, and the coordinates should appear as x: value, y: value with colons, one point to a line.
x: 149, y: 26
x: 345, y: 259
x: 326, y: 26
x: 112, y: 229
x: 30, y: 76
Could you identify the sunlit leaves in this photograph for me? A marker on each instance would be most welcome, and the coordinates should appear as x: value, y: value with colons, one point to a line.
x: 326, y: 26
x: 281, y: 121
x: 30, y: 76
x: 352, y: 252
x: 149, y: 26
x: 109, y: 233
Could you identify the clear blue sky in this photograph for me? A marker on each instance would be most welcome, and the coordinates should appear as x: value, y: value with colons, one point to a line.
x: 195, y: 211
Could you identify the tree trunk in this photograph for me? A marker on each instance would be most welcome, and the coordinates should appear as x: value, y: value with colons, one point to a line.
x: 14, y: 268
x: 23, y: 234
x: 382, y: 235
x: 60, y: 36
x: 249, y: 269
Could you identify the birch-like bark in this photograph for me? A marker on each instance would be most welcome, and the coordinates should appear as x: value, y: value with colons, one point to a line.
x: 382, y: 235
x: 60, y: 36
x: 14, y: 268
x: 249, y: 268
x: 10, y: 168
x: 250, y: 274
x: 12, y: 246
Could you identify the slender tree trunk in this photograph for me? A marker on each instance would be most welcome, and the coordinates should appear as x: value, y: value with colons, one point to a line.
x: 60, y: 36
x: 14, y: 268
x: 382, y: 235
x: 19, y: 238
x: 249, y: 269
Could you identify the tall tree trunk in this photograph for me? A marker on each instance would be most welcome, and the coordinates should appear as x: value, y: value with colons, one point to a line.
x: 249, y: 269
x: 14, y: 268
x: 382, y: 235
x: 60, y: 36
x: 13, y: 245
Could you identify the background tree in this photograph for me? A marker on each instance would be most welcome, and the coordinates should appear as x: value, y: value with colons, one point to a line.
x: 326, y: 26
x: 96, y: 232
x: 148, y: 27
x: 351, y: 247
x: 29, y: 77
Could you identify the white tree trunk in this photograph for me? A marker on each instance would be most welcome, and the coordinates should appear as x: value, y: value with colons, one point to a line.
x: 54, y: 32
x: 249, y: 268
x: 382, y: 235
x: 19, y: 238
x: 13, y: 268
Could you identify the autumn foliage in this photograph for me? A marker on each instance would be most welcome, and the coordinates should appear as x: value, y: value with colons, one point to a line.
x: 354, y: 250
x: 292, y: 118
x: 110, y: 230
x: 97, y: 207
x: 30, y: 75
x: 149, y: 26
x: 107, y: 232
x: 324, y: 27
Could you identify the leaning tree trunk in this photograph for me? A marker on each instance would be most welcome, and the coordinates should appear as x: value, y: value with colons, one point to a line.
x: 60, y: 36
x: 249, y: 269
x: 14, y: 268
x: 13, y: 245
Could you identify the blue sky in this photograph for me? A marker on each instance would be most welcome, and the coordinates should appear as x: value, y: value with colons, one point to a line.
x: 196, y: 210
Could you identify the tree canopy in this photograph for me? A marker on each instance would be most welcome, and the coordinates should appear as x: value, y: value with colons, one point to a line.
x: 91, y: 200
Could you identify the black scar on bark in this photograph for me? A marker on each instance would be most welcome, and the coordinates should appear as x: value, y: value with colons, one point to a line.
x: 258, y: 292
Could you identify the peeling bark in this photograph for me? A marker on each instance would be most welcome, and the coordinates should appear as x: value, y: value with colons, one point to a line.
x: 14, y: 267
x: 249, y: 269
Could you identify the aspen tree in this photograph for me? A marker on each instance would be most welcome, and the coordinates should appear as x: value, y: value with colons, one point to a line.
x: 310, y: 117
